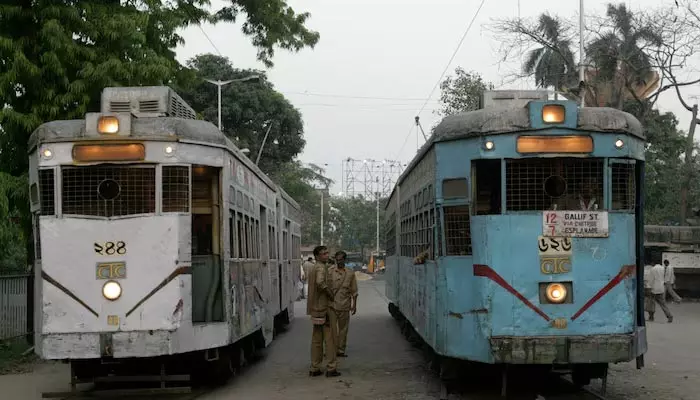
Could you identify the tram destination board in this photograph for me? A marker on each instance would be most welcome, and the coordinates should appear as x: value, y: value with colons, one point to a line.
x: 575, y: 223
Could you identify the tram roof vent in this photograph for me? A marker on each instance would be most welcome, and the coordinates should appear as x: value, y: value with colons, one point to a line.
x: 146, y: 101
x: 511, y: 98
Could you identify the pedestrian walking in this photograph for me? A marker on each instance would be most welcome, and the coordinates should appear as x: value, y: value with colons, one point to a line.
x: 318, y: 307
x: 658, y: 290
x: 670, y: 282
x: 306, y: 271
x: 344, y: 284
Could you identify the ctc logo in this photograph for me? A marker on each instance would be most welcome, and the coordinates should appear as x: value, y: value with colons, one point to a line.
x: 555, y: 265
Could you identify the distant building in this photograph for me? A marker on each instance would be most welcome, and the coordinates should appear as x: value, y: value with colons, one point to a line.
x: 306, y: 252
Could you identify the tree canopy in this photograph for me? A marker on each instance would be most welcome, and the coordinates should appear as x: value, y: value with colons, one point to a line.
x: 462, y: 92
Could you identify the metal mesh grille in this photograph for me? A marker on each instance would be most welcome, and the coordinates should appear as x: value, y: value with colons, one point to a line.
x: 623, y: 187
x: 557, y: 183
x: 176, y: 189
x: 46, y: 192
x: 108, y: 191
x: 458, y: 237
x: 390, y: 232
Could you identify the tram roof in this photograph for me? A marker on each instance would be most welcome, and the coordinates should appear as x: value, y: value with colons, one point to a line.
x: 495, y: 121
x: 152, y: 128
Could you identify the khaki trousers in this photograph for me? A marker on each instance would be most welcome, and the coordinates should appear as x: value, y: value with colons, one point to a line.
x: 341, y: 326
x: 320, y: 334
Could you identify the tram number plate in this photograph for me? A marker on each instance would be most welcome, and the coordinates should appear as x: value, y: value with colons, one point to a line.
x: 110, y: 248
x: 113, y: 320
x: 559, y: 323
x: 575, y: 223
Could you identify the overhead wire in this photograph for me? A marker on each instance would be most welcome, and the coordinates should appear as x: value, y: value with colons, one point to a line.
x: 454, y: 54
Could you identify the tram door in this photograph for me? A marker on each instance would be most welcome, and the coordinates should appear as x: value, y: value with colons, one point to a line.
x: 207, y: 296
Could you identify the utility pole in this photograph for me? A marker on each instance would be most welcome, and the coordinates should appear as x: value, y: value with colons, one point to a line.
x: 688, y: 164
x: 378, y: 192
x: 257, y: 160
x: 581, y: 74
x: 221, y: 83
x: 321, y: 217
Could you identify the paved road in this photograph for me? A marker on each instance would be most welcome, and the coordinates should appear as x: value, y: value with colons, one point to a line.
x: 383, y: 366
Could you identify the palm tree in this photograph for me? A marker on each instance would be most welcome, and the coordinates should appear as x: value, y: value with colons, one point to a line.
x: 552, y: 64
x: 623, y: 70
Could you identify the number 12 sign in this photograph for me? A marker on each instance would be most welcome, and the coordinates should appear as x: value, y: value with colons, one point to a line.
x: 575, y: 223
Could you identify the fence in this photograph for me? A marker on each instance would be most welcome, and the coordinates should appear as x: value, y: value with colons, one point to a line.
x: 13, y: 305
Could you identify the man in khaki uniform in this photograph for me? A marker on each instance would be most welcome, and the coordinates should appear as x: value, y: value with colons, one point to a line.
x: 344, y: 284
x: 317, y: 306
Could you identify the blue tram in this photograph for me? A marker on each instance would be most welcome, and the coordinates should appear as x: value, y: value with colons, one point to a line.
x: 515, y: 236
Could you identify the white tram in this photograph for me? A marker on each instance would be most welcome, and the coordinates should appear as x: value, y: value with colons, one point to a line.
x: 157, y: 241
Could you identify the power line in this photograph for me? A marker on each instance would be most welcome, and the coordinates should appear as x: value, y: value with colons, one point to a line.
x: 356, y: 97
x: 201, y: 28
x: 454, y: 54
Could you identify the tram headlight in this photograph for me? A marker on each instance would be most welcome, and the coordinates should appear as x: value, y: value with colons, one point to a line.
x: 112, y: 290
x: 108, y: 124
x: 556, y: 293
x: 47, y: 154
x: 619, y: 143
x: 553, y: 114
x: 169, y: 150
x: 488, y: 145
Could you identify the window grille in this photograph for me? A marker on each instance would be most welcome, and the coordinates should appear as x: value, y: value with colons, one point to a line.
x: 556, y: 183
x: 108, y: 191
x: 623, y: 187
x: 457, y: 231
x: 46, y: 192
x: 176, y: 189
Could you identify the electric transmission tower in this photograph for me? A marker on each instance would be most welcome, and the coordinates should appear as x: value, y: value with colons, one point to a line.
x: 368, y: 177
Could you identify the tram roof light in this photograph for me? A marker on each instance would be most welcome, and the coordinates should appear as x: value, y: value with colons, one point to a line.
x: 109, y: 152
x: 108, y: 124
x: 554, y: 144
x: 553, y: 113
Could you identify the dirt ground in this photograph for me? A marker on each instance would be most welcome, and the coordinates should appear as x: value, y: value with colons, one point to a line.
x: 382, y: 365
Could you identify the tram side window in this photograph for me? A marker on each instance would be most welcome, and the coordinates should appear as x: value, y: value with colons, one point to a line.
x: 554, y: 184
x: 241, y: 235
x: 455, y: 188
x: 487, y: 186
x: 46, y: 192
x: 458, y: 238
x: 623, y: 187
x: 232, y: 234
x: 175, y: 183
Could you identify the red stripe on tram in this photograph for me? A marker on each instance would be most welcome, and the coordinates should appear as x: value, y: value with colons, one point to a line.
x: 487, y: 272
x: 625, y: 271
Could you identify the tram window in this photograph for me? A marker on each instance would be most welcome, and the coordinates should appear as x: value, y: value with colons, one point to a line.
x: 454, y: 188
x: 487, y: 186
x: 623, y: 187
x: 240, y: 236
x: 457, y: 231
x: 232, y: 233
x: 246, y: 238
x: 554, y: 184
x: 176, y: 188
x: 46, y: 192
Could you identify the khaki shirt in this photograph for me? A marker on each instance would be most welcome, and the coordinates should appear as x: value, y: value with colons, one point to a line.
x: 344, y: 285
x: 307, y: 268
x: 320, y: 294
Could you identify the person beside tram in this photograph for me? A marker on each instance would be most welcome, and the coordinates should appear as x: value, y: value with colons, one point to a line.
x: 670, y: 282
x: 318, y: 307
x: 344, y: 285
x: 306, y: 270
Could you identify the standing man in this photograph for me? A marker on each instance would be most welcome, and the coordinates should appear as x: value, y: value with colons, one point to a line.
x: 306, y: 271
x: 317, y: 306
x: 670, y: 281
x: 344, y: 285
x: 658, y: 290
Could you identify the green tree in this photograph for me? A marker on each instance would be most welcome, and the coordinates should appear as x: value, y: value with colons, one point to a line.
x: 355, y: 222
x: 553, y: 63
x: 14, y: 204
x: 247, y: 109
x: 462, y: 92
x: 619, y: 55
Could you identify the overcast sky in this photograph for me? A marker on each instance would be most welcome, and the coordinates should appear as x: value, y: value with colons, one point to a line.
x: 376, y: 64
